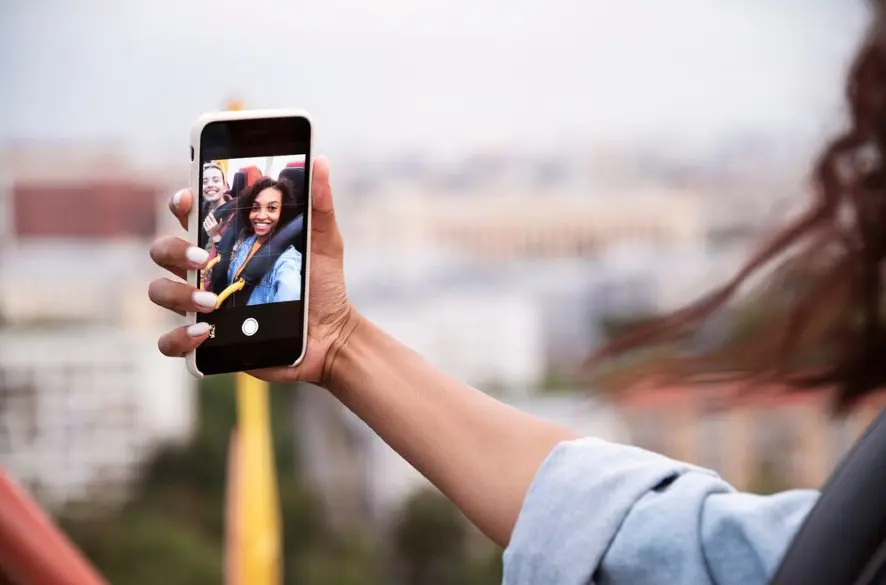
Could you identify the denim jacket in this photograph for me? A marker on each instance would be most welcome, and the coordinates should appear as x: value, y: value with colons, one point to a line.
x: 281, y: 283
x: 600, y: 513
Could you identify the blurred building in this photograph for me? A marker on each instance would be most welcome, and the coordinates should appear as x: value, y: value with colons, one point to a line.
x: 640, y: 278
x: 570, y: 298
x: 766, y: 440
x: 511, y: 222
x: 332, y: 455
x: 469, y: 320
x: 563, y: 291
x: 80, y: 409
x: 84, y: 393
x: 484, y: 336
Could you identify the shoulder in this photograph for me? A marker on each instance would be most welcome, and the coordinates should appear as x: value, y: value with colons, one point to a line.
x: 290, y: 259
x: 243, y: 243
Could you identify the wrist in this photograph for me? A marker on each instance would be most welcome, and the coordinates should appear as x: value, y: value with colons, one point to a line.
x: 334, y: 365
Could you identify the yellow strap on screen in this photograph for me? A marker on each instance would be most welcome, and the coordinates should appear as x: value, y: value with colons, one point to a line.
x: 231, y: 289
x: 209, y: 266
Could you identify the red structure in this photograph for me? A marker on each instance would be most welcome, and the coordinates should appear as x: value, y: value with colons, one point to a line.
x: 33, y: 551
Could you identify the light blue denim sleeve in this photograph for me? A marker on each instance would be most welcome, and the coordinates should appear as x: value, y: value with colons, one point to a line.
x: 599, y: 513
x: 287, y: 277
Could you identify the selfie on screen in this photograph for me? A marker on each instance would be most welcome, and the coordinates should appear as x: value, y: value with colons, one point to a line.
x: 251, y: 219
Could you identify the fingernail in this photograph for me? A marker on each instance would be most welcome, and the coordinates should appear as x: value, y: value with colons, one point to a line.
x: 205, y: 299
x: 197, y: 255
x: 199, y: 329
x: 177, y: 198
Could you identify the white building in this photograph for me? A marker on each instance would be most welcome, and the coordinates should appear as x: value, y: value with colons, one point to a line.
x: 563, y: 292
x: 84, y: 393
x: 80, y: 408
x: 453, y: 311
x: 488, y: 338
x: 637, y: 278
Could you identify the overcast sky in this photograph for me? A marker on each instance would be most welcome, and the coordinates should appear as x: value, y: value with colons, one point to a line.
x: 442, y: 74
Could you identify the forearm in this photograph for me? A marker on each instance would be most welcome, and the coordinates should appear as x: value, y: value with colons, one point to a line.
x: 479, y: 452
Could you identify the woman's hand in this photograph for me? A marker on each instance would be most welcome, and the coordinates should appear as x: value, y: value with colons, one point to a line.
x: 211, y: 226
x: 330, y: 317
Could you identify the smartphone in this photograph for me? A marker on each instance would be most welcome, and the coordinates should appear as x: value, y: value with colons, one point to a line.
x: 251, y: 172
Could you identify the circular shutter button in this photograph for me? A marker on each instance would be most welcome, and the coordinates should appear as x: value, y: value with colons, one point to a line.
x: 250, y: 326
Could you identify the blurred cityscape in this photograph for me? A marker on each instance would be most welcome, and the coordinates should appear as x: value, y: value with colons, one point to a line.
x: 504, y: 266
x: 505, y: 271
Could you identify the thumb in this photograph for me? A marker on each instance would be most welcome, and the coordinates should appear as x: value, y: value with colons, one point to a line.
x: 325, y: 238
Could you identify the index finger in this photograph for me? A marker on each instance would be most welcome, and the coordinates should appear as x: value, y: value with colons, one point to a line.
x: 180, y: 206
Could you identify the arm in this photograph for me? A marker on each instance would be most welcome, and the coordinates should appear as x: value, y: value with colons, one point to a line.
x: 587, y: 508
x: 481, y: 453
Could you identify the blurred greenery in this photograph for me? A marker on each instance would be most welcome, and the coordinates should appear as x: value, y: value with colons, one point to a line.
x: 560, y: 382
x: 431, y: 543
x: 769, y: 479
x: 613, y: 327
x: 171, y: 530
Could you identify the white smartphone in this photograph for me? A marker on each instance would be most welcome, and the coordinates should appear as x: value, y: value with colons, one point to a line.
x: 251, y: 174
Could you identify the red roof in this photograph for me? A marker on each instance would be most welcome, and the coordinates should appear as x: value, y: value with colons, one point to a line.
x: 102, y: 209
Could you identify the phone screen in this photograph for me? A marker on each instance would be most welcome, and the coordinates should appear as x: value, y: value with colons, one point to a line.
x: 253, y: 203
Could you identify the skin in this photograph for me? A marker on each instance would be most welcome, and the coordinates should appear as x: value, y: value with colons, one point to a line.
x: 212, y: 226
x: 265, y: 213
x: 213, y: 186
x: 479, y: 452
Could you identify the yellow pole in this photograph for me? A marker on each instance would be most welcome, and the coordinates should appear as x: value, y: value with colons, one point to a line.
x: 253, y: 523
x: 257, y: 521
x: 233, y: 530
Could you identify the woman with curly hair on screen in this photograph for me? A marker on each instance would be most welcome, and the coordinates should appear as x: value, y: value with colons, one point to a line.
x: 264, y: 208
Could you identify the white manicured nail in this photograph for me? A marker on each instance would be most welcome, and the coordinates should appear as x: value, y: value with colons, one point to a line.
x: 197, y: 255
x: 199, y: 329
x: 177, y: 198
x: 205, y: 299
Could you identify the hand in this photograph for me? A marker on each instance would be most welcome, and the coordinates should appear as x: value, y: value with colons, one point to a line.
x: 211, y: 226
x: 330, y: 318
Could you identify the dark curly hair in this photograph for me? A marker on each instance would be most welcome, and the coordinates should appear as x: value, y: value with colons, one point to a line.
x: 819, y: 307
x: 291, y: 206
